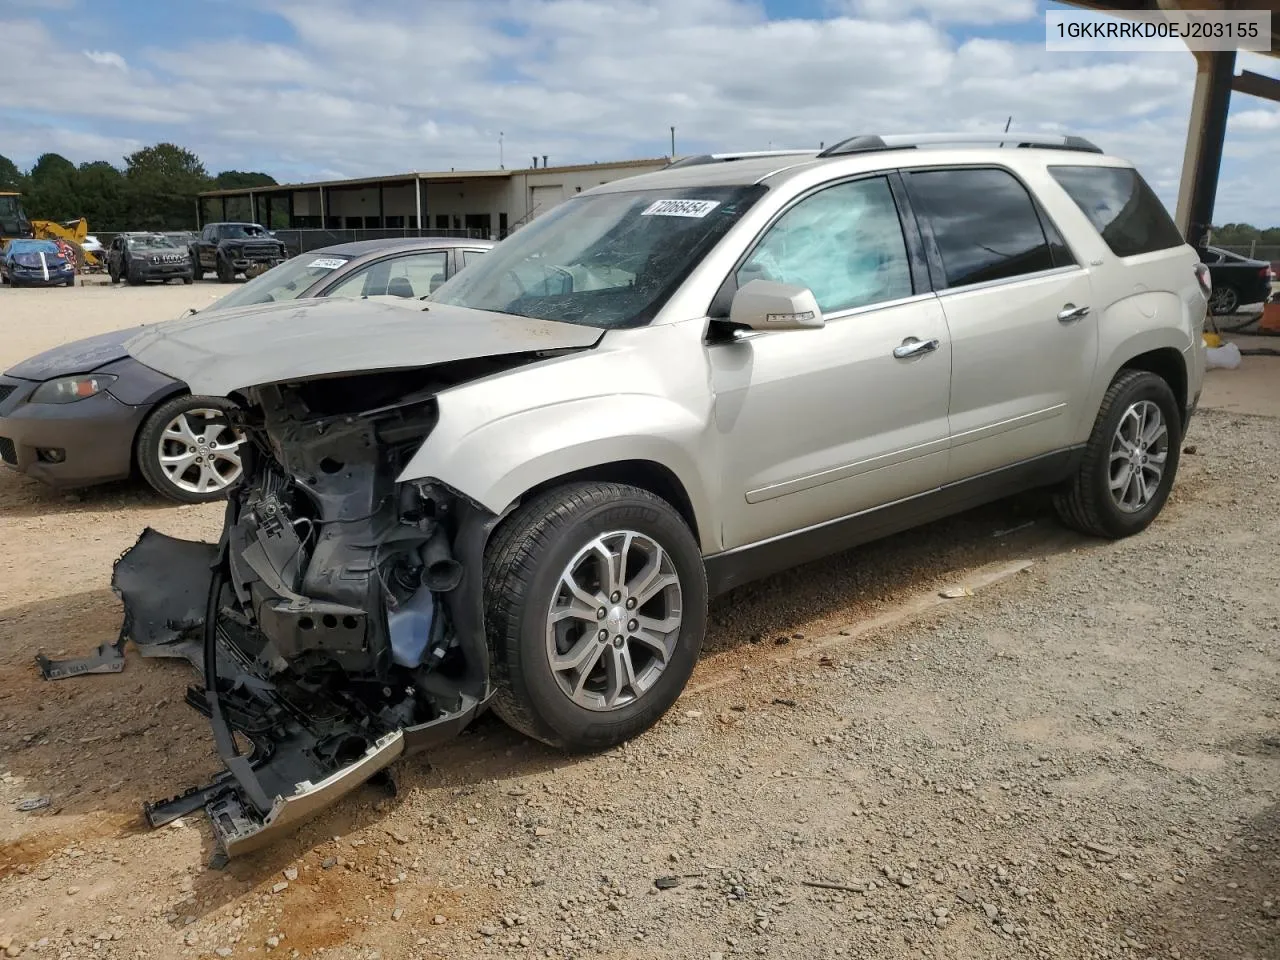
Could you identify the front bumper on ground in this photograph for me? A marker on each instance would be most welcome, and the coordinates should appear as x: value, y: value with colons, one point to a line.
x: 167, y: 587
x: 94, y: 436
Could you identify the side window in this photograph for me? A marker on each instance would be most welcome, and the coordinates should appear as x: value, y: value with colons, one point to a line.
x: 412, y: 276
x: 210, y: 233
x: 1121, y: 207
x: 844, y: 243
x: 471, y: 256
x: 984, y: 223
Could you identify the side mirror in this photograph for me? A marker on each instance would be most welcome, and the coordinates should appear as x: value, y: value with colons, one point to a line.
x: 766, y: 305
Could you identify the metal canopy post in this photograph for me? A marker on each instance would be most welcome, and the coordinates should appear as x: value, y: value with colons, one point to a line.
x: 324, y: 223
x: 417, y: 203
x: 1206, y: 133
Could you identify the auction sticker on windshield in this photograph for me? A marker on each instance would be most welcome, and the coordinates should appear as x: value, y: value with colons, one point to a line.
x: 326, y: 263
x: 679, y: 208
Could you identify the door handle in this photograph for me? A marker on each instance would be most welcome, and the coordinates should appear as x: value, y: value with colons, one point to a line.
x: 1070, y: 313
x: 914, y: 347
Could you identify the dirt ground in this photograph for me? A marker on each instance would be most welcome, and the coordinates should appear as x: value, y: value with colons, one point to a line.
x: 1080, y: 759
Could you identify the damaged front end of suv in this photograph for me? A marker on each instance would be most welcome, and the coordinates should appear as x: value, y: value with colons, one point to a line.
x: 342, y: 625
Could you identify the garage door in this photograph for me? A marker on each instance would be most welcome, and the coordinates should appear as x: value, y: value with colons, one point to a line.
x: 543, y: 199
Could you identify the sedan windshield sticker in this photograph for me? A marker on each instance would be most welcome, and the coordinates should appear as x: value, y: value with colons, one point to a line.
x: 680, y: 208
x: 326, y: 263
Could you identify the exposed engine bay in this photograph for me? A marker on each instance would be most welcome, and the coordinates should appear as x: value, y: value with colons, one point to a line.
x: 343, y: 626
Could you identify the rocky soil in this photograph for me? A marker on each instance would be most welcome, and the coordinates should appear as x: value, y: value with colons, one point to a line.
x: 1077, y: 760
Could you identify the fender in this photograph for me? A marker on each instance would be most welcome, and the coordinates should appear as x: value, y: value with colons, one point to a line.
x: 496, y: 463
x: 1125, y: 333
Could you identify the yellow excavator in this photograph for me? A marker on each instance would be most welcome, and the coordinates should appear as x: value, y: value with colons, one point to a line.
x: 14, y: 225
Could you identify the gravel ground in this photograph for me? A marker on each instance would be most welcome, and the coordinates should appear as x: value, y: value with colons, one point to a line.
x: 1077, y: 760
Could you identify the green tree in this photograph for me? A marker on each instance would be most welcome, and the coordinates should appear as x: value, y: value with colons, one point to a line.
x: 161, y: 185
x: 51, y: 189
x: 10, y: 175
x: 238, y: 180
x: 101, y: 193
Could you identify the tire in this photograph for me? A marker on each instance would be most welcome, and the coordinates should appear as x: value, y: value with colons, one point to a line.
x: 131, y: 278
x: 188, y: 280
x: 197, y: 270
x: 153, y: 437
x: 1224, y: 301
x: 225, y: 272
x: 525, y: 560
x: 1088, y: 503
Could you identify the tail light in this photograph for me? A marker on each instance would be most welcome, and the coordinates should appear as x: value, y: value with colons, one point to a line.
x: 1206, y: 282
x: 1267, y: 274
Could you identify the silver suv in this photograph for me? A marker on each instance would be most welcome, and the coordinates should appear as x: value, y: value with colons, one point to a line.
x: 521, y: 492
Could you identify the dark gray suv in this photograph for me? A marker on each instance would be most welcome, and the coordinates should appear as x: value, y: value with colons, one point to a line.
x: 139, y: 257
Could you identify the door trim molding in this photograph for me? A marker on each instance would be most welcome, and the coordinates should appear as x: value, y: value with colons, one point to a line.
x: 843, y: 472
x: 731, y: 568
x: 1004, y: 426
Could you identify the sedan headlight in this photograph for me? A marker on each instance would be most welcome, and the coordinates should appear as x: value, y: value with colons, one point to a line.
x: 71, y: 389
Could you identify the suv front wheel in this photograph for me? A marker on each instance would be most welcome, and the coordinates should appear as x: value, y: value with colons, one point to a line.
x: 595, y: 610
x: 1129, y: 462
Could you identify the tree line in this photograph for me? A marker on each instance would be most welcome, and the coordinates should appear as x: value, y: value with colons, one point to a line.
x: 156, y: 188
x: 1244, y: 234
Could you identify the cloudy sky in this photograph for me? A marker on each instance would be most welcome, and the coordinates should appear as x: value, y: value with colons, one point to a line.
x: 333, y: 88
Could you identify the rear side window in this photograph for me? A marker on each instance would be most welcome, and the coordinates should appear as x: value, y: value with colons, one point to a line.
x: 984, y: 224
x: 1121, y: 206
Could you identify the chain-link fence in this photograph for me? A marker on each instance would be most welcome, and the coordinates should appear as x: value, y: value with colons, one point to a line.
x: 1269, y: 252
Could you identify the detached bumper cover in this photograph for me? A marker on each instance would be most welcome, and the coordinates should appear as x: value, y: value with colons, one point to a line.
x: 309, y: 748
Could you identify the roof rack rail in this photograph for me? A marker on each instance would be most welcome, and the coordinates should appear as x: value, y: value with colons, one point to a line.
x: 910, y: 141
x: 700, y: 159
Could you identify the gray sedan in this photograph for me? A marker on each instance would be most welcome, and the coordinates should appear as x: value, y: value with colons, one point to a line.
x: 86, y: 412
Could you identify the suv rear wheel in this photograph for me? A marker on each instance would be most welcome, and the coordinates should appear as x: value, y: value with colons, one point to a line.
x: 1130, y: 460
x: 595, y: 609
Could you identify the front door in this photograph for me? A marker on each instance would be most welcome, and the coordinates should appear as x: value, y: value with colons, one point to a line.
x: 820, y: 424
x: 1022, y: 317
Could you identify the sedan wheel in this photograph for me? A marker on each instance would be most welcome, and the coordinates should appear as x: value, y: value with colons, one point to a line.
x: 189, y: 451
x: 1224, y: 301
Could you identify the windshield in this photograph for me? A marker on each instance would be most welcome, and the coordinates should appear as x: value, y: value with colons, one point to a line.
x: 237, y: 230
x: 12, y: 218
x: 154, y: 242
x: 602, y: 260
x: 285, y: 282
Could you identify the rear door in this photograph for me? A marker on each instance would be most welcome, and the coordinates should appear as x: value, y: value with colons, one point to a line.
x: 1020, y: 310
x: 820, y: 424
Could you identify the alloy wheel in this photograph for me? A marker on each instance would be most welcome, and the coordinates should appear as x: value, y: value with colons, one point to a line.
x: 199, y: 451
x: 614, y: 620
x: 1139, y: 451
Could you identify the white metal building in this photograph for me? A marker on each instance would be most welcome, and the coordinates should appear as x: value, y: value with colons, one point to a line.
x: 483, y: 203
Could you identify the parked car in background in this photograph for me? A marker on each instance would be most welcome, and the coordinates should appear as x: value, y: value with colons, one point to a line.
x: 86, y: 412
x: 93, y: 245
x: 231, y: 249
x: 138, y: 258
x: 1238, y: 281
x: 36, y: 263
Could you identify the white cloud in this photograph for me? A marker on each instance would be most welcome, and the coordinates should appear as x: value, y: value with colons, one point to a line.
x: 377, y: 86
x: 952, y: 11
x: 106, y: 58
x: 1262, y: 119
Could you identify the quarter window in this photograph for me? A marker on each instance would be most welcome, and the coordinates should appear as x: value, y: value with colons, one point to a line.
x: 1121, y: 207
x: 844, y: 243
x: 984, y: 224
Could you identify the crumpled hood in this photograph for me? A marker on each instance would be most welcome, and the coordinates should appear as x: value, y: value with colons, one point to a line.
x: 224, y: 351
x: 80, y: 356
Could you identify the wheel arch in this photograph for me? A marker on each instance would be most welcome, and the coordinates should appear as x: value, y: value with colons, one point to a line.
x: 1169, y: 365
x: 649, y: 475
x: 180, y: 390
